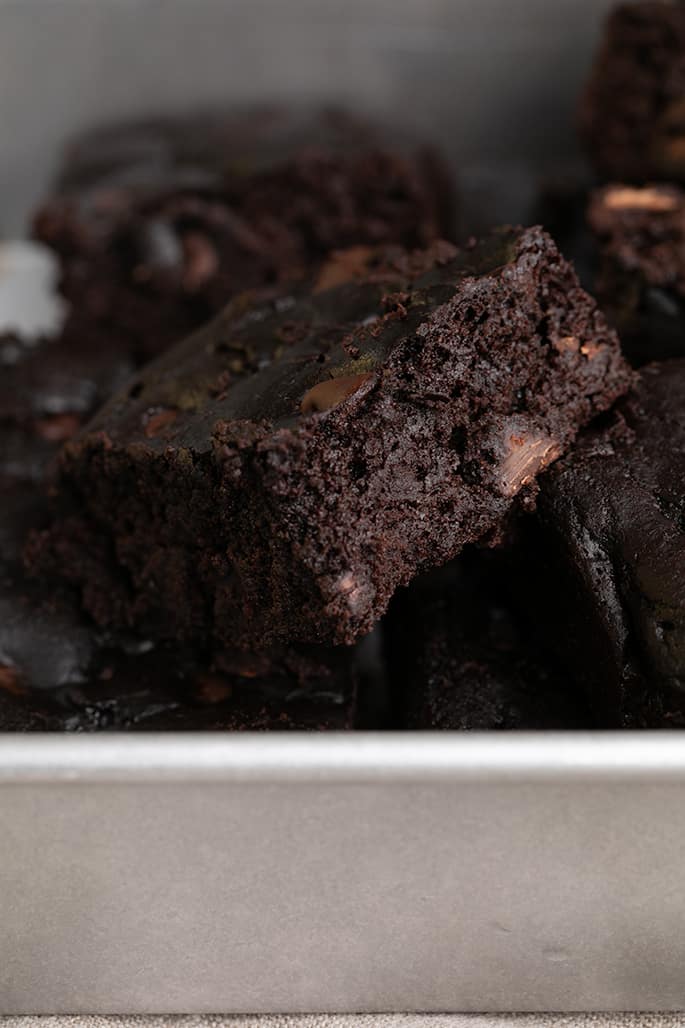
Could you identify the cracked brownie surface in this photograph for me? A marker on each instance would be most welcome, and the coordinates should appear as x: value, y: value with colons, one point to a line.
x: 279, y: 474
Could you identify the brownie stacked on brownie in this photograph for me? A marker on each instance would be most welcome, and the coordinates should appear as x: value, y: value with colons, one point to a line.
x: 276, y: 476
x: 605, y: 556
x: 158, y: 223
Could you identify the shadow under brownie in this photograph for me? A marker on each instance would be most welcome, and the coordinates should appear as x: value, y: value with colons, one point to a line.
x: 460, y: 657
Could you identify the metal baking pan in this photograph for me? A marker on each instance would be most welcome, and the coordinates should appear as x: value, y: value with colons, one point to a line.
x: 311, y: 873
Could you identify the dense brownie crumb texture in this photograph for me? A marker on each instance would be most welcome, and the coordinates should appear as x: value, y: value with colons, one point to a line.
x: 275, y: 477
x: 277, y: 403
x: 59, y: 673
x: 156, y: 225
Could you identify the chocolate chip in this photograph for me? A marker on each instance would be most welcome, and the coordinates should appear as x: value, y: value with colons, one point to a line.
x: 325, y: 395
x: 201, y: 260
x: 58, y: 427
x: 10, y: 680
x: 213, y: 689
x: 343, y: 266
x: 157, y: 421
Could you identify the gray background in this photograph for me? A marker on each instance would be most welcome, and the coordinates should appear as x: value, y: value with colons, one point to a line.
x: 494, y: 81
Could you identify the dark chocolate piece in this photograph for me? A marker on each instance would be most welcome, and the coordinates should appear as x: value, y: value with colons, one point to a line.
x: 640, y: 279
x: 277, y: 475
x: 632, y: 114
x: 461, y: 661
x: 158, y: 224
x: 606, y: 564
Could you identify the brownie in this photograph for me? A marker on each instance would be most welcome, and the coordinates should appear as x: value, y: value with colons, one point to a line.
x: 60, y: 673
x: 632, y: 113
x: 57, y: 673
x: 640, y: 279
x: 460, y: 659
x: 158, y: 223
x: 277, y: 475
x: 167, y: 689
x: 605, y: 564
x: 50, y: 387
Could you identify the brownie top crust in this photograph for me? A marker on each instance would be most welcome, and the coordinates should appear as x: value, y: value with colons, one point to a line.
x: 296, y: 460
x: 280, y: 364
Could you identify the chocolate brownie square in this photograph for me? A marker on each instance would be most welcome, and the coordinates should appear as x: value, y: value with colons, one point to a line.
x: 461, y: 660
x: 640, y: 280
x: 159, y: 223
x: 632, y: 113
x: 605, y: 562
x: 276, y: 476
x: 59, y: 673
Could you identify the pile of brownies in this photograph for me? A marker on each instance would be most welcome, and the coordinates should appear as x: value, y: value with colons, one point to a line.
x: 296, y: 461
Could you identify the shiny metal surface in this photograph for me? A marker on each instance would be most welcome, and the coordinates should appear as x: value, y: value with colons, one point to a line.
x: 320, y: 873
x: 369, y: 873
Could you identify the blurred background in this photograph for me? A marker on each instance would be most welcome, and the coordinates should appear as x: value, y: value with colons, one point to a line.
x: 494, y: 82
